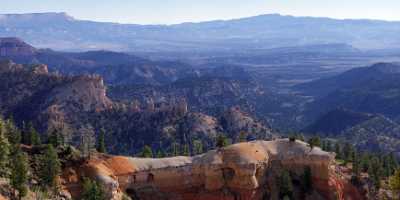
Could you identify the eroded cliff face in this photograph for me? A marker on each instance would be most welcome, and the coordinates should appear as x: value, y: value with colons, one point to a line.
x: 240, y: 171
x: 10, y: 47
x: 31, y: 93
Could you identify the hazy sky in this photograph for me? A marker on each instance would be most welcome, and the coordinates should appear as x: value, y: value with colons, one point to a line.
x: 176, y: 11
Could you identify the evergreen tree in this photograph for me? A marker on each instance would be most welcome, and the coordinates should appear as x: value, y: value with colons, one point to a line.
x: 31, y: 136
x: 87, y: 140
x: 101, y: 146
x: 292, y: 138
x: 347, y: 152
x: 50, y: 168
x: 147, y: 152
x: 222, y: 141
x: 355, y: 164
x: 198, y: 147
x: 92, y: 190
x: 375, y: 172
x: 160, y: 154
x: 285, y: 185
x: 174, y: 149
x: 186, y: 150
x: 19, y: 173
x: 314, y: 142
x: 364, y: 162
x: 329, y: 146
x: 390, y: 164
x: 4, y: 150
x: 24, y: 134
x: 338, y: 151
x: 307, y: 178
x: 13, y: 134
x: 54, y: 138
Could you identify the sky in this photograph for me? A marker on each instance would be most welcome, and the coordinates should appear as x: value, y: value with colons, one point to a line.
x: 178, y: 11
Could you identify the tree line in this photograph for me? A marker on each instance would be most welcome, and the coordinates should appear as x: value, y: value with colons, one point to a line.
x: 18, y: 166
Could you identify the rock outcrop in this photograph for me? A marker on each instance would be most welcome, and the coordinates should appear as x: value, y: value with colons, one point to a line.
x: 240, y: 171
x: 10, y: 47
x: 31, y: 93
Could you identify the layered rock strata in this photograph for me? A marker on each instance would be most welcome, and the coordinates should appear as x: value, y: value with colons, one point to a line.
x: 240, y: 171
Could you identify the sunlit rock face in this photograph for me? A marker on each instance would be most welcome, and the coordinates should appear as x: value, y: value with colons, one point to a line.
x: 240, y: 171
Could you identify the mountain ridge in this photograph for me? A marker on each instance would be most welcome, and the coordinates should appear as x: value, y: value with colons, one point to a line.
x: 67, y: 16
x: 264, y: 31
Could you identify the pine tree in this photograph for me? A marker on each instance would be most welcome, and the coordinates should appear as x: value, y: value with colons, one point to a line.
x: 364, y: 162
x: 54, y: 138
x: 160, y: 154
x: 92, y: 190
x: 186, y: 150
x: 347, y: 152
x: 375, y: 172
x: 147, y: 152
x: 285, y: 184
x: 101, y: 146
x: 34, y: 138
x: 4, y: 151
x: 356, y: 164
x: 307, y: 178
x: 292, y: 138
x: 314, y: 142
x: 174, y: 149
x: 323, y: 145
x: 24, y: 134
x: 87, y: 140
x: 29, y: 135
x: 338, y: 151
x: 12, y: 132
x: 19, y: 173
x: 328, y: 146
x: 221, y: 141
x: 198, y: 147
x: 50, y: 168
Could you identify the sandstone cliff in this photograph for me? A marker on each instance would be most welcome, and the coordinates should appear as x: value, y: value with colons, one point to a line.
x: 240, y: 171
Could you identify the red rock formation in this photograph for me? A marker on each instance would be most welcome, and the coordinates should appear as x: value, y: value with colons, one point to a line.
x: 241, y: 171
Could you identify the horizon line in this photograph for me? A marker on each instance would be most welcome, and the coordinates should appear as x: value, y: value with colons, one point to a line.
x: 201, y: 21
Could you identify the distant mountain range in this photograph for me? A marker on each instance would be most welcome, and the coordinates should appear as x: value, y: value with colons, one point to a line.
x: 62, y: 32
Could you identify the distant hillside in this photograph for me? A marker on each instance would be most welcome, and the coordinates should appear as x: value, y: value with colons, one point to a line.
x: 77, y: 106
x: 336, y: 121
x: 116, y: 68
x: 374, y: 89
x: 365, y: 131
x: 62, y: 32
x: 352, y: 78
